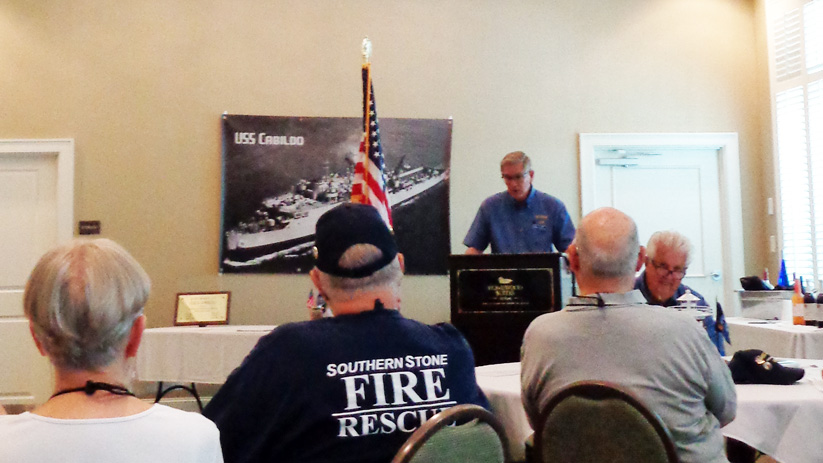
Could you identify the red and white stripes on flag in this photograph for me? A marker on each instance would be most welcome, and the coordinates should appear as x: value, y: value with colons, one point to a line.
x: 369, y: 185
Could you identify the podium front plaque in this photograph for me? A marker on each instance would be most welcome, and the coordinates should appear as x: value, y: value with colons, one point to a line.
x: 504, y: 290
x: 495, y: 297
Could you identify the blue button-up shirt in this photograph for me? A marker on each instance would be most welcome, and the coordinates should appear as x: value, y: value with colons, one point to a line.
x: 718, y: 331
x: 640, y: 283
x: 513, y: 227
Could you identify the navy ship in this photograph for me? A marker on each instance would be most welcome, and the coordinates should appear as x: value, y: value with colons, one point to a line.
x: 283, y: 225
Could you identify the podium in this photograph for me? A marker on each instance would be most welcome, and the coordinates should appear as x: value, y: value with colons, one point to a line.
x: 494, y: 298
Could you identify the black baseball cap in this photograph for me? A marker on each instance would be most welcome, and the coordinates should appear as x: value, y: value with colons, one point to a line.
x: 753, y: 366
x: 345, y: 226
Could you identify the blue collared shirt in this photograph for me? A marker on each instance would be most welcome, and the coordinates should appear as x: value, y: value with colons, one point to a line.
x: 513, y: 227
x: 717, y: 331
x: 640, y: 283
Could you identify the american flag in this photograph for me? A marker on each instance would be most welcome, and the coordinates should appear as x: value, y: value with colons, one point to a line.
x: 310, y: 301
x: 369, y: 185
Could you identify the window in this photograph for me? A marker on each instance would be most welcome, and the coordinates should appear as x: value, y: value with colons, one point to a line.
x: 796, y: 63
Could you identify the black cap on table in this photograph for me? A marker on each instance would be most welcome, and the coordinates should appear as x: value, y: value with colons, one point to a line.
x: 753, y: 366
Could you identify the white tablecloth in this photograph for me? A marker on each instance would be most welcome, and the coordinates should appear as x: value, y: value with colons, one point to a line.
x: 501, y: 384
x: 191, y: 354
x: 778, y: 339
x: 785, y: 422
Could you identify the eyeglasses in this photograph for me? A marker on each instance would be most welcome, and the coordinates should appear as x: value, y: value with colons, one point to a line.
x: 514, y: 178
x: 677, y: 272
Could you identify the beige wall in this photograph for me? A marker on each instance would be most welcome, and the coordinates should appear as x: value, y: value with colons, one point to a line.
x: 141, y: 85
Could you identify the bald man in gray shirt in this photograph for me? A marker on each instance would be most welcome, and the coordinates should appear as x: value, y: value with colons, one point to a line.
x: 610, y: 334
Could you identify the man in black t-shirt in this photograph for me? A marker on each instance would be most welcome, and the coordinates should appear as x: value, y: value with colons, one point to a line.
x: 350, y: 388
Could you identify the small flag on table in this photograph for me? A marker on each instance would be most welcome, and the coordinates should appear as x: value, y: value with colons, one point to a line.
x: 310, y: 301
x: 717, y: 329
x: 783, y: 277
x: 369, y: 185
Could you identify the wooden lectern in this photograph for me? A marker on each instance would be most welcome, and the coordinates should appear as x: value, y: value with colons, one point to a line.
x: 494, y: 297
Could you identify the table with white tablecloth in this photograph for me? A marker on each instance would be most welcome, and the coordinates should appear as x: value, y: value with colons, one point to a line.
x: 501, y: 385
x: 781, y: 421
x: 193, y: 354
x: 777, y: 338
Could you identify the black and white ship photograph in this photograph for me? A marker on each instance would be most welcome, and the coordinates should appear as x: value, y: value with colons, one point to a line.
x: 280, y: 174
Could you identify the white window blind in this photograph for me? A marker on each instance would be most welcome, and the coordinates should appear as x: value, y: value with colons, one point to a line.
x: 795, y: 188
x: 787, y: 36
x: 796, y: 63
x: 813, y: 32
x: 815, y: 122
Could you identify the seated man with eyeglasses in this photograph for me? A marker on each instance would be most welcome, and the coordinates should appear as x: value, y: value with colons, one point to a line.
x: 667, y: 258
x: 520, y: 219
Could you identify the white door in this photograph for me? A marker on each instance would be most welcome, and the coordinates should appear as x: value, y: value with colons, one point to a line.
x: 684, y: 182
x: 35, y: 214
x: 669, y: 190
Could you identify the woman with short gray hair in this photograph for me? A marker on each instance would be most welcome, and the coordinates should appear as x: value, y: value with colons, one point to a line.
x: 84, y: 301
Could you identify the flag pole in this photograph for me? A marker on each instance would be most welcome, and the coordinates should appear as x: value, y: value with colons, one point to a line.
x: 366, y: 50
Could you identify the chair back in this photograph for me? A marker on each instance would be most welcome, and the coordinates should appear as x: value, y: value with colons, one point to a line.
x: 593, y: 421
x: 461, y: 434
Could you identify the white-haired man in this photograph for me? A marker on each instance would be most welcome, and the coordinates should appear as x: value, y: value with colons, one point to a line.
x: 610, y: 334
x: 668, y: 254
x: 350, y: 388
x: 520, y: 219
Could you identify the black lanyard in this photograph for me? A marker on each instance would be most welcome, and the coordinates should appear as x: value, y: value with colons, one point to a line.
x: 93, y: 386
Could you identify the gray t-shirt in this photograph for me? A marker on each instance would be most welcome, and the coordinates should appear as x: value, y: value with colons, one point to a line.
x: 663, y: 357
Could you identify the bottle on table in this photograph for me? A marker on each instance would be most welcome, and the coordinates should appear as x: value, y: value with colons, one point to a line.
x: 810, y: 309
x: 820, y: 310
x: 797, y: 304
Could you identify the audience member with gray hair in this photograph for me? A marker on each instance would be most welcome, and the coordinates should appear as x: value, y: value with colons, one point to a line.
x: 668, y: 255
x: 608, y: 256
x: 520, y: 219
x: 350, y: 388
x: 609, y: 333
x: 84, y: 301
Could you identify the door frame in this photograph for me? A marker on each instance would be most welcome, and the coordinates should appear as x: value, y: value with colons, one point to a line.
x: 731, y: 210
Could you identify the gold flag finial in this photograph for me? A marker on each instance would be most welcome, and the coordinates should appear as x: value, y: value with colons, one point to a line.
x: 366, y: 49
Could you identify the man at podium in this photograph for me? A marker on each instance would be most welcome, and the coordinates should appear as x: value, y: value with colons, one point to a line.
x: 520, y: 219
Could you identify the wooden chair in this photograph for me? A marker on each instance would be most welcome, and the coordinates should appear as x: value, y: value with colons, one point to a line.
x: 477, y: 437
x: 593, y: 421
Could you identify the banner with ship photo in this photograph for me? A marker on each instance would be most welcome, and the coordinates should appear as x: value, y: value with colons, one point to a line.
x: 281, y: 173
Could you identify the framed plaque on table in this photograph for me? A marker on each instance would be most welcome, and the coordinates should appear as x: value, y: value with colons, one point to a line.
x: 209, y: 308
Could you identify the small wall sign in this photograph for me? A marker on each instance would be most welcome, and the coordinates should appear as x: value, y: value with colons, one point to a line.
x: 88, y: 227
